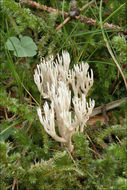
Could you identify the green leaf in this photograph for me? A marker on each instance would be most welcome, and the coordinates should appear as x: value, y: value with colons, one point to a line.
x: 12, y: 43
x: 22, y: 48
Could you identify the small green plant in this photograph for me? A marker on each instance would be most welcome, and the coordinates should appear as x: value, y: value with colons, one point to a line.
x: 25, y: 47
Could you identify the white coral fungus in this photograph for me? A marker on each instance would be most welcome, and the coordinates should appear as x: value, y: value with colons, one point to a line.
x: 68, y: 112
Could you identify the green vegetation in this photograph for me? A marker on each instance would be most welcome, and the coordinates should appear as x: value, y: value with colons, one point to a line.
x: 29, y: 158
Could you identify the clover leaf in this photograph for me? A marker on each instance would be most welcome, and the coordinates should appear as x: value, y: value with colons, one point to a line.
x: 25, y: 47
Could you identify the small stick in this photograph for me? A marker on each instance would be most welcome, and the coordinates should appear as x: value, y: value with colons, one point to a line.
x: 119, y: 140
x: 29, y: 127
x: 30, y: 94
x: 64, y: 22
x: 109, y: 106
x: 74, y: 11
x: 103, y: 109
x: 72, y: 158
x: 93, y: 145
x: 5, y: 112
x: 14, y: 184
x: 83, y: 19
x: 8, y: 187
x: 116, y: 62
x: 106, y: 119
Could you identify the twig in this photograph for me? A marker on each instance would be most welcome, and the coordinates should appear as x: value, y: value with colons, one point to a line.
x: 83, y: 19
x: 6, y: 116
x: 119, y: 140
x: 109, y: 106
x: 99, y: 155
x: 72, y: 158
x: 103, y: 109
x: 5, y: 112
x: 42, y: 7
x: 64, y: 22
x: 116, y: 62
x: 71, y: 14
x: 106, y: 119
x: 14, y: 184
x: 30, y: 94
x: 74, y: 13
x: 93, y: 22
x: 8, y: 187
x: 93, y: 146
x: 108, y: 46
x: 29, y: 127
x: 17, y: 185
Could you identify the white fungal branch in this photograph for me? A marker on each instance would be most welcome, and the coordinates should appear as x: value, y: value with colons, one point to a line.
x: 48, y: 122
x: 53, y: 79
